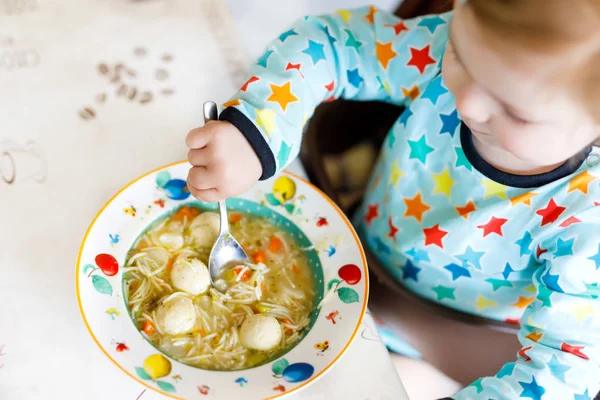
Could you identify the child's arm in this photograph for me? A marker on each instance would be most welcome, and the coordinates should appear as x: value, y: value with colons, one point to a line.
x: 560, y: 329
x: 362, y: 54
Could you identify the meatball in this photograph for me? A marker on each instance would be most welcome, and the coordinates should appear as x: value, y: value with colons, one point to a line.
x: 191, y: 276
x: 260, y: 332
x: 176, y: 315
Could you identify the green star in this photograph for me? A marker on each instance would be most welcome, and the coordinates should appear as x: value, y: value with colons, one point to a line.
x: 544, y: 296
x: 284, y: 154
x: 352, y: 42
x: 498, y: 283
x: 420, y: 149
x: 444, y: 292
x: 461, y: 159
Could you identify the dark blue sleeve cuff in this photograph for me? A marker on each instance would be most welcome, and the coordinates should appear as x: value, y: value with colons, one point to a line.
x: 254, y: 137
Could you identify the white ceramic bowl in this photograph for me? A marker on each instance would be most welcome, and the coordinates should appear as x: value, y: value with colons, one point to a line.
x: 335, y: 255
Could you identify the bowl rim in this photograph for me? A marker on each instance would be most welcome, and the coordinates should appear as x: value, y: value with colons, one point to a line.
x: 313, y: 378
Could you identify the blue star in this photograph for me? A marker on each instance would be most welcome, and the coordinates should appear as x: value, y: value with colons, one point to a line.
x: 532, y: 389
x: 558, y: 369
x: 596, y: 258
x: 506, y: 370
x: 284, y: 154
x: 287, y: 34
x: 551, y: 281
x: 471, y: 256
x: 330, y: 38
x: 262, y: 61
x: 564, y: 247
x: 418, y: 255
x: 449, y: 123
x: 434, y: 90
x: 315, y: 51
x: 457, y: 271
x: 525, y: 243
x: 507, y: 270
x: 405, y: 116
x: 409, y: 271
x: 354, y: 78
x: 381, y: 247
x: 420, y: 149
x: 583, y: 396
x: 331, y: 251
x: 431, y: 23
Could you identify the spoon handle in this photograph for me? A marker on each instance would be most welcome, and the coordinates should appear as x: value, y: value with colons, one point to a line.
x: 211, y: 114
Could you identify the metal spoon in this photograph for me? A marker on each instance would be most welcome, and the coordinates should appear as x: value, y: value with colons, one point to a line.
x: 226, y: 251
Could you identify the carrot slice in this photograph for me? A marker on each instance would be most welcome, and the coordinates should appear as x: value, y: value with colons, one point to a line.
x: 189, y: 212
x: 245, y: 276
x: 148, y: 328
x: 235, y: 218
x: 275, y: 245
x: 259, y: 257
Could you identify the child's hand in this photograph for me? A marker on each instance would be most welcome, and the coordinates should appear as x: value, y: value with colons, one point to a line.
x: 224, y: 163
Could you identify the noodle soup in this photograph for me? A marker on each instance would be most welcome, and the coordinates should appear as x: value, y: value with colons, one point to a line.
x: 265, y: 311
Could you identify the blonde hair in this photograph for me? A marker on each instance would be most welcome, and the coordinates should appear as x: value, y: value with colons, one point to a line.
x: 567, y: 28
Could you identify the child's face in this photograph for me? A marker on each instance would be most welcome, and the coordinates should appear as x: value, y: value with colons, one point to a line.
x: 502, y: 94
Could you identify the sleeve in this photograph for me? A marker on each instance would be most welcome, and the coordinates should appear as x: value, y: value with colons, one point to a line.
x: 560, y: 329
x: 362, y: 54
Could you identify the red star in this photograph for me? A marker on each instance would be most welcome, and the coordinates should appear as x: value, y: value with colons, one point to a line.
x: 523, y: 353
x: 514, y: 321
x: 434, y: 235
x: 575, y: 350
x: 329, y: 87
x: 253, y: 79
x: 372, y: 213
x: 393, y: 229
x: 494, y: 226
x: 539, y: 251
x: 569, y: 221
x: 399, y: 27
x: 466, y: 210
x: 296, y: 67
x: 329, y: 99
x: 596, y: 204
x: 550, y: 213
x: 420, y: 58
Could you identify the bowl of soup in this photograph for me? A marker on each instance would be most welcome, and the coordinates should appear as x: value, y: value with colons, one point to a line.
x: 286, y: 317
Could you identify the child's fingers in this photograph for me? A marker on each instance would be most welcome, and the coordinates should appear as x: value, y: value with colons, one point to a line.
x: 200, y: 179
x: 208, y: 195
x: 199, y: 137
x: 199, y: 157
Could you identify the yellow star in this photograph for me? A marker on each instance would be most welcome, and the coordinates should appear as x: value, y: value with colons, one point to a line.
x: 266, y: 120
x: 534, y: 336
x: 533, y: 325
x: 525, y: 198
x: 305, y: 118
x: 396, y: 174
x: 523, y: 302
x: 345, y: 14
x: 384, y: 53
x: 386, y: 86
x: 482, y: 303
x: 582, y: 311
x: 282, y: 95
x: 581, y: 182
x: 530, y: 289
x: 443, y: 183
x: 413, y: 92
x: 493, y: 189
x: 230, y: 103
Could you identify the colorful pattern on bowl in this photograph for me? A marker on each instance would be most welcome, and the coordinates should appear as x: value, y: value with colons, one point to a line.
x: 335, y: 255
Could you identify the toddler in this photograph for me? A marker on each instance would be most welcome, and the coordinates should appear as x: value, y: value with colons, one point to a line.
x: 485, y: 197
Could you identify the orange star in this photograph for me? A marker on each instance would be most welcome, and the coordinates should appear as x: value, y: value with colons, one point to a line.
x: 416, y: 208
x: 282, y: 95
x: 371, y: 15
x: 534, y: 336
x: 464, y: 211
x: 413, y: 92
x: 399, y: 27
x: 523, y: 302
x: 581, y: 182
x: 231, y: 103
x: 525, y: 198
x: 384, y: 53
